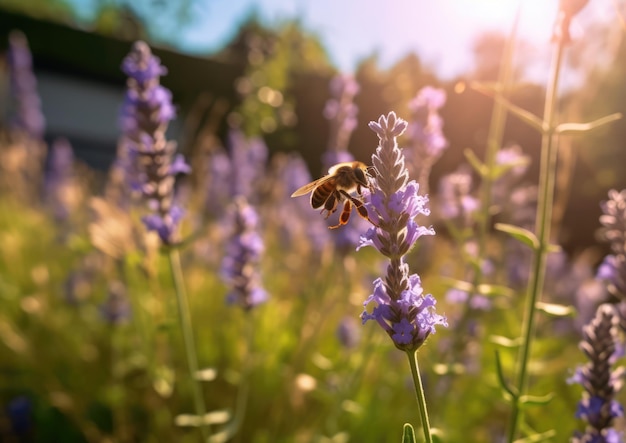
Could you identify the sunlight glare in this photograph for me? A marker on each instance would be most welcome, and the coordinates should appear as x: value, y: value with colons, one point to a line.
x: 536, y: 16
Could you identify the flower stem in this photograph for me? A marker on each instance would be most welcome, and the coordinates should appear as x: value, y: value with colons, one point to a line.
x: 190, y: 347
x: 543, y: 224
x: 244, y: 383
x: 419, y: 393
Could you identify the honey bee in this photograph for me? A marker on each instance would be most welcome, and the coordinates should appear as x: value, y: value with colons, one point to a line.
x: 342, y: 180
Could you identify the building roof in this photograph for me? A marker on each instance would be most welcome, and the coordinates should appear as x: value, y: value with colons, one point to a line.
x: 67, y: 50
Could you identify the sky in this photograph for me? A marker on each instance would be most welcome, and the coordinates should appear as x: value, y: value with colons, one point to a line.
x: 441, y: 32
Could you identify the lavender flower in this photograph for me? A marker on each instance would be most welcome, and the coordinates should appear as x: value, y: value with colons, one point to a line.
x: 612, y: 271
x: 598, y: 406
x: 63, y: 192
x: 19, y: 412
x: 218, y: 187
x: 613, y: 221
x: 426, y: 123
x: 476, y: 301
x: 247, y: 162
x: 511, y: 165
x: 455, y: 202
x: 243, y: 254
x: 402, y: 309
x: 425, y: 132
x: 27, y: 114
x: 348, y: 333
x: 116, y: 308
x: 341, y: 112
x: 521, y: 210
x: 146, y: 113
x: 79, y: 284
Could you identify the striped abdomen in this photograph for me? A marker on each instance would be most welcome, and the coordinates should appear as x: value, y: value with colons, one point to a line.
x: 322, y: 192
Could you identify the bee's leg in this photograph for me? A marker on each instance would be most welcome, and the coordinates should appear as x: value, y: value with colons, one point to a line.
x: 330, y: 205
x: 345, y: 215
x: 360, y: 207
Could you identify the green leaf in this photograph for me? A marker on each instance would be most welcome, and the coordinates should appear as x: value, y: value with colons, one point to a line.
x: 475, y: 162
x: 509, y: 392
x: 408, y: 434
x: 537, y: 438
x: 534, y: 400
x: 505, y: 342
x: 520, y: 234
x: 555, y: 310
x: 495, y: 290
x: 553, y: 248
x: 578, y: 128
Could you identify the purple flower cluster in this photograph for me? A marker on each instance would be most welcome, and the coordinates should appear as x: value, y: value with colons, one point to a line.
x: 116, y: 308
x: 601, y: 383
x: 402, y: 310
x: 455, y: 200
x: 341, y: 112
x: 240, y: 267
x: 236, y: 172
x: 247, y: 163
x: 27, y: 113
x: 425, y: 132
x: 61, y: 188
x: 511, y: 165
x: 145, y: 115
x: 19, y: 412
x: 613, y: 268
x: 426, y: 125
x: 348, y: 333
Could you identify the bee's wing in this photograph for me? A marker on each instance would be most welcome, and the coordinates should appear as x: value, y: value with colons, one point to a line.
x: 311, y: 186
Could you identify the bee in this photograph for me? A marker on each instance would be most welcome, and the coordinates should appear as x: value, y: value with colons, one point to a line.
x: 342, y: 180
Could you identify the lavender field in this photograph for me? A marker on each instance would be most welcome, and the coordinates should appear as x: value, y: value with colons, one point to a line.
x: 461, y: 276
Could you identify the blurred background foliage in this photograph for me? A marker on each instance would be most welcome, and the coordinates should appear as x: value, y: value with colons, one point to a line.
x: 68, y: 376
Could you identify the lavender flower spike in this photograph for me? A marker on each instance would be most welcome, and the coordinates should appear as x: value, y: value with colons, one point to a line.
x: 27, y: 116
x: 145, y: 115
x: 402, y: 309
x: 425, y: 133
x: 598, y: 406
x: 341, y: 112
x: 243, y: 254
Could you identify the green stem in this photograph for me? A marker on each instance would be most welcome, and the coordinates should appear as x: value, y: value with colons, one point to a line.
x: 419, y: 393
x: 542, y: 230
x: 119, y: 425
x: 244, y: 383
x: 241, y: 402
x: 190, y: 347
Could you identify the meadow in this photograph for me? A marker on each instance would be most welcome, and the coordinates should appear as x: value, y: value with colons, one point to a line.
x: 174, y: 299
